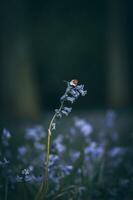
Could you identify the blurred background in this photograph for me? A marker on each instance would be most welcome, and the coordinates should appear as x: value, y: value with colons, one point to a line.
x: 45, y: 42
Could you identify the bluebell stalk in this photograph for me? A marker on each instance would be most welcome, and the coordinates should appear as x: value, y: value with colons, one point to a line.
x: 73, y: 91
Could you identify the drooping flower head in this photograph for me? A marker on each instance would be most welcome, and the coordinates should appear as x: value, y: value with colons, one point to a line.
x: 73, y: 91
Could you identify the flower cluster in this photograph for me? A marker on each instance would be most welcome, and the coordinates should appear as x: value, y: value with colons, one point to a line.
x: 5, y: 137
x: 73, y: 91
x: 80, y: 162
x: 27, y: 175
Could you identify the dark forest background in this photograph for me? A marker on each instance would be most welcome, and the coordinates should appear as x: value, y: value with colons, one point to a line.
x: 44, y: 42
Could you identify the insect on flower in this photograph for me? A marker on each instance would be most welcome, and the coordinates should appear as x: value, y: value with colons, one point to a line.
x: 74, y: 82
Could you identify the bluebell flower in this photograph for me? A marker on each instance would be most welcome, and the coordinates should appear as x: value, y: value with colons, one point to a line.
x: 5, y: 137
x: 81, y: 90
x: 22, y: 150
x: 67, y: 109
x: 64, y: 112
x: 26, y: 178
x: 60, y: 148
x: 58, y: 144
x: 94, y: 150
x: 39, y: 146
x: 25, y: 172
x: 35, y: 133
x: 19, y: 178
x: 6, y: 134
x: 71, y: 99
x: 64, y: 97
x: 75, y: 94
x: 40, y: 158
x: 4, y: 162
x: 116, y: 151
x: 30, y: 168
x: 53, y: 159
x: 58, y: 112
x: 73, y: 131
x: 72, y: 92
x: 26, y: 175
x: 85, y: 127
x: 110, y: 118
x: 65, y: 170
x: 74, y: 155
x: 30, y: 178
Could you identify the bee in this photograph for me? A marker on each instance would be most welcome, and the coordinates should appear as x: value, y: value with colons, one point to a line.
x: 74, y: 82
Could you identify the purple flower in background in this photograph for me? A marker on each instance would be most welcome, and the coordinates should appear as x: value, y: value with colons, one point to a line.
x: 35, y: 133
x: 116, y: 151
x: 65, y: 170
x: 4, y: 162
x: 40, y: 158
x: 6, y: 134
x: 25, y: 172
x: 26, y: 175
x: 5, y: 137
x: 85, y: 127
x: 114, y: 135
x: 72, y: 131
x: 22, y: 150
x: 94, y: 150
x: 110, y: 118
x: 58, y: 144
x: 74, y: 155
x: 39, y: 146
x: 77, y: 159
x: 53, y: 160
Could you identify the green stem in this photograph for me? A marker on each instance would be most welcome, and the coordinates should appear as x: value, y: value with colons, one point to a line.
x: 44, y: 186
x: 49, y: 147
x: 6, y: 189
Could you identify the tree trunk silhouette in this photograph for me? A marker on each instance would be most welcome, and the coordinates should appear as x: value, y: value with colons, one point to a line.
x: 117, y: 64
x: 18, y: 89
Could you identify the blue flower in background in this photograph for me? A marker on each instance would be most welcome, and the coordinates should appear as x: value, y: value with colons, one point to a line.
x: 110, y: 118
x: 4, y: 162
x: 116, y: 151
x: 35, y: 133
x: 74, y: 155
x: 22, y: 150
x: 80, y: 165
x: 38, y: 146
x: 94, y: 150
x: 85, y: 127
x: 5, y: 137
x: 58, y: 144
